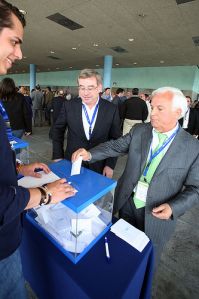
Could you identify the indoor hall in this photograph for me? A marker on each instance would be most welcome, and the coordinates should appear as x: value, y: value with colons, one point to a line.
x: 154, y: 43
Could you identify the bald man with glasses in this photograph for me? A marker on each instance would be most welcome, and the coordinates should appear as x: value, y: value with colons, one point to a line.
x: 90, y: 120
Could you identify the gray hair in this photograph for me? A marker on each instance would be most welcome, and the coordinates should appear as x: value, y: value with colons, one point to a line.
x: 89, y: 73
x: 178, y: 99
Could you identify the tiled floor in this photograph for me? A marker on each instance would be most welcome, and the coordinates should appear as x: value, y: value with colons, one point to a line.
x: 178, y: 274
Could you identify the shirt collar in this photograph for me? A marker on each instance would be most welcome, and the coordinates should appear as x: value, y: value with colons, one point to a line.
x: 92, y: 107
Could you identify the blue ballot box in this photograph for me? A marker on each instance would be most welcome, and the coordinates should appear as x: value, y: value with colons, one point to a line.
x: 77, y: 223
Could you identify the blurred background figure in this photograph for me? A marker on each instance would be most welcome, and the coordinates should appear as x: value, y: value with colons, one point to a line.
x: 37, y: 105
x: 25, y: 92
x: 107, y: 94
x: 145, y: 97
x: 56, y: 105
x: 16, y: 108
x: 134, y: 111
x: 48, y: 96
x: 190, y: 122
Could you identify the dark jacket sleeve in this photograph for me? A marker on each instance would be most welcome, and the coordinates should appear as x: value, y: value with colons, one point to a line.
x: 13, y: 199
x: 59, y: 129
x: 115, y: 132
x: 27, y: 115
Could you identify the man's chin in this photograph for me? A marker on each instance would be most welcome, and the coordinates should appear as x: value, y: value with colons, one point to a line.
x: 3, y: 71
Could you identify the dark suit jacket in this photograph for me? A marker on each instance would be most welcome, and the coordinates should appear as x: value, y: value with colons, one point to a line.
x: 107, y: 126
x: 56, y: 106
x: 193, y: 124
x: 175, y: 181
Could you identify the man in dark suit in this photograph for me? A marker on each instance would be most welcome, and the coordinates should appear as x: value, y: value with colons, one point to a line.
x: 161, y: 178
x: 190, y: 121
x: 90, y: 120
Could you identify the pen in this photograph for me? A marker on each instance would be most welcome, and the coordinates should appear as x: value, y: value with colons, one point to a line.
x: 107, y: 249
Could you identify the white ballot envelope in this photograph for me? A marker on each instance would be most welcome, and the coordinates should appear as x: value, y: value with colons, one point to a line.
x: 76, y: 166
x: 31, y: 182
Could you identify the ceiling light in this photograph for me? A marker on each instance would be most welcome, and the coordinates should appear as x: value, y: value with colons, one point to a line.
x: 52, y: 52
x: 74, y: 48
x: 131, y: 39
x: 142, y: 15
x: 57, y: 68
x: 95, y: 45
x: 161, y: 61
x: 97, y: 65
x: 24, y: 57
x: 70, y: 67
x: 117, y: 64
x: 135, y: 63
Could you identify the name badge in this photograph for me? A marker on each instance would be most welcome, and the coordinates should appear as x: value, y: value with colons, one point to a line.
x: 141, y: 191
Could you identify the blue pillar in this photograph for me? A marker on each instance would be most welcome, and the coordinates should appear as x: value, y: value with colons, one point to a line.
x: 32, y: 76
x: 108, y: 62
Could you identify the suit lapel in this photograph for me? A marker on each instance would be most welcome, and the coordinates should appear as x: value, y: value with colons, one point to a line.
x: 145, y: 146
x: 78, y: 118
x: 169, y: 159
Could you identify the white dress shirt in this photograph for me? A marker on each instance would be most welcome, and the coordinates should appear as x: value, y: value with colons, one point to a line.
x: 90, y: 115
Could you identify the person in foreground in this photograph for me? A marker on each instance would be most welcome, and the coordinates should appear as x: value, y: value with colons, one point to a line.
x: 161, y: 178
x: 14, y: 199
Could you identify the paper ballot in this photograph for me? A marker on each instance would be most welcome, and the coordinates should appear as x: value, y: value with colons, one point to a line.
x: 130, y: 234
x: 76, y: 166
x: 31, y: 182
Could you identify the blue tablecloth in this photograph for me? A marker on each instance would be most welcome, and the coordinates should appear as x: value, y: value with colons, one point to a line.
x: 53, y: 276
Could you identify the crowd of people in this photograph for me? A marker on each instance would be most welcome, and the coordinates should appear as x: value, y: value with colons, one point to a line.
x: 161, y: 178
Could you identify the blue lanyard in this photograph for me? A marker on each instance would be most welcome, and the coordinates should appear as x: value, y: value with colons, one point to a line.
x: 90, y: 122
x: 153, y: 155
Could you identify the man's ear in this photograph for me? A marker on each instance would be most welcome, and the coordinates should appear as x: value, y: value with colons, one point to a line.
x: 99, y: 88
x: 179, y: 113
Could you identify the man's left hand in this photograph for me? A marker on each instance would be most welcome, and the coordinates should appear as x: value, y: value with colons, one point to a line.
x: 164, y: 211
x: 107, y: 171
x: 30, y: 169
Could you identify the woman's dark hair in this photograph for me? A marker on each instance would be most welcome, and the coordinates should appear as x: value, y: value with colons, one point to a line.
x: 7, y: 89
x: 6, y: 11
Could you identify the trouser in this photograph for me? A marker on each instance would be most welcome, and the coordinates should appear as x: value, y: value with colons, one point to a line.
x: 11, y: 278
x: 128, y: 125
x: 37, y: 116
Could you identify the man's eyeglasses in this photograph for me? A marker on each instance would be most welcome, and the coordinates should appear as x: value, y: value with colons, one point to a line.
x: 89, y: 88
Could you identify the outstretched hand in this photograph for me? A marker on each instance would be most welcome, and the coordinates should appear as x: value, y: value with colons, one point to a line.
x: 30, y: 169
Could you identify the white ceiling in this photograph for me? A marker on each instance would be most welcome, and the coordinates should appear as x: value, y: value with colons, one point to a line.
x: 162, y: 31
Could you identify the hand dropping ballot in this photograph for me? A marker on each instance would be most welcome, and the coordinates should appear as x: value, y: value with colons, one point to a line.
x: 76, y: 166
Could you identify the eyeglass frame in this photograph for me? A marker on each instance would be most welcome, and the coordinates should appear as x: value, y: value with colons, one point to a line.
x: 89, y: 88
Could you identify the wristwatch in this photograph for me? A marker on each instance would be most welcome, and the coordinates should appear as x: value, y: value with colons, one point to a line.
x: 46, y: 196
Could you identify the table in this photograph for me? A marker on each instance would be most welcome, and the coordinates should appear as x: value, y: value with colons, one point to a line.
x: 53, y: 276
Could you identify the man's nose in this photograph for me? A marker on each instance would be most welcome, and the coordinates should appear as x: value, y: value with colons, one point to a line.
x: 18, y: 52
